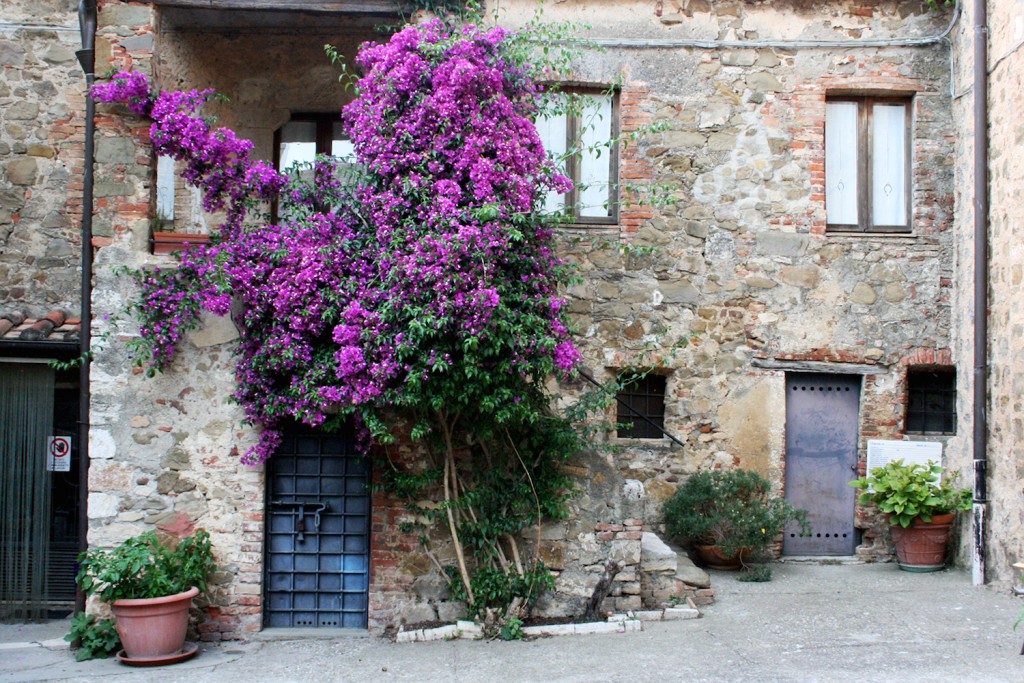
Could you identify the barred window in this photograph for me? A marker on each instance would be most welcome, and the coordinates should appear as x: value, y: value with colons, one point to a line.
x: 641, y: 403
x: 931, y: 401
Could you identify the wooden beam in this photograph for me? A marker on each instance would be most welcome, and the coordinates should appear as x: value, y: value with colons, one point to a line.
x: 346, y: 6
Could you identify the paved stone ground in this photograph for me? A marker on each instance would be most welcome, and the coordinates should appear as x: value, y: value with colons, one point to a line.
x: 811, y: 623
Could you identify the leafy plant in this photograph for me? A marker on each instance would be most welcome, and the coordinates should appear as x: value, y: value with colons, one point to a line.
x: 419, y: 286
x: 512, y: 629
x: 96, y: 638
x: 143, y: 568
x: 910, y: 491
x: 733, y: 509
x: 756, y: 573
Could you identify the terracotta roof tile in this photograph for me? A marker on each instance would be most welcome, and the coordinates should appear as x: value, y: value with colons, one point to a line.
x: 55, y: 326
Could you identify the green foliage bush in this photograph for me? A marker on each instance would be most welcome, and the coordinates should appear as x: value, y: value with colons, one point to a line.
x: 908, y: 492
x: 143, y: 568
x: 96, y: 638
x: 733, y: 509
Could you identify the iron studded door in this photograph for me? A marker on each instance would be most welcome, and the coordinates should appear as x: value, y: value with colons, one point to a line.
x: 822, y: 428
x: 318, y: 539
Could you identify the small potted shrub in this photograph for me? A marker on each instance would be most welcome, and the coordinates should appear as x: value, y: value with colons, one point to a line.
x: 920, y: 509
x: 149, y: 588
x: 728, y: 516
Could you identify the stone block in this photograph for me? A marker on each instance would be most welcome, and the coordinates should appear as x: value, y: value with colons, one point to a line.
x: 416, y: 612
x: 760, y: 282
x: 679, y: 292
x: 680, y: 613
x: 101, y: 444
x: 451, y: 611
x: 655, y: 554
x: 863, y: 293
x: 773, y: 243
x: 763, y: 81
x: 722, y: 142
x: 691, y: 574
x: 22, y: 111
x: 142, y: 42
x: 103, y: 505
x: 58, y: 54
x: 23, y: 171
x: 40, y: 151
x: 130, y: 16
x: 805, y: 277
x: 739, y: 57
x: 115, y: 150
x: 11, y: 54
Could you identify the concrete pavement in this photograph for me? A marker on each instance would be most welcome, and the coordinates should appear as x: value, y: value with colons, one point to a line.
x: 811, y: 623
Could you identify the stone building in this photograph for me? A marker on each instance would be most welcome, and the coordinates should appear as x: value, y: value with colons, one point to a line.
x: 797, y: 296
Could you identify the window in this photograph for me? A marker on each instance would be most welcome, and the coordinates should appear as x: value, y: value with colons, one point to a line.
x: 580, y: 131
x: 307, y: 135
x: 641, y: 406
x: 867, y: 164
x: 931, y: 401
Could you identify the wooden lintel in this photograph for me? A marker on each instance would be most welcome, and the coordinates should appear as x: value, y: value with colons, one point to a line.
x: 347, y: 6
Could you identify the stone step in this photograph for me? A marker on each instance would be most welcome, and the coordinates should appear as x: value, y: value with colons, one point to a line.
x: 658, y: 556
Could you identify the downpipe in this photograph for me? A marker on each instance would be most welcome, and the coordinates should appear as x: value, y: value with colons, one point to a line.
x: 981, y: 259
x: 87, y: 59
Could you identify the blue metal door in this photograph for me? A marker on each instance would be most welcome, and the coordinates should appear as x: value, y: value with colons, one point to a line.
x: 318, y: 533
x: 822, y: 431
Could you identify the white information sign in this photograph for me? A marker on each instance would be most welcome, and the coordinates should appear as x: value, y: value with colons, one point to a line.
x: 881, y: 453
x: 58, y: 454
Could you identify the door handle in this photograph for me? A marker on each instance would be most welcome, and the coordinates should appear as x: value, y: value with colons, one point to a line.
x: 299, y: 510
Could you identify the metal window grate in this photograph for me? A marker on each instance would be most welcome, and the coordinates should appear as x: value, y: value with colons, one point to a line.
x: 644, y: 398
x: 931, y: 401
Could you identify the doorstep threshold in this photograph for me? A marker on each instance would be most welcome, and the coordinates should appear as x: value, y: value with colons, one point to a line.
x: 309, y: 633
x: 822, y: 559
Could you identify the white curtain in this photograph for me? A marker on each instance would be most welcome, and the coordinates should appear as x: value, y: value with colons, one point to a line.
x: 841, y: 163
x: 889, y: 158
x: 553, y: 132
x: 595, y: 156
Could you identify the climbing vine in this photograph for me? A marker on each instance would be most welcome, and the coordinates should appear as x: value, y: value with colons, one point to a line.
x: 419, y: 287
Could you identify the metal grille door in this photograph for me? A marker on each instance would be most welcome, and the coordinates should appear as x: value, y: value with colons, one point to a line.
x: 822, y: 430
x: 318, y: 533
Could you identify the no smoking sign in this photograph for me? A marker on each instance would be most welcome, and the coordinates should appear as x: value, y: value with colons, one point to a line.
x: 58, y: 451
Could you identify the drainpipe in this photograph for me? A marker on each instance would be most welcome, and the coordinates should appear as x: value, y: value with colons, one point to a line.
x: 87, y: 59
x: 980, y: 288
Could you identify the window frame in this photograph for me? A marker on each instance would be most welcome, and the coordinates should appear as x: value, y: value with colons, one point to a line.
x: 949, y: 393
x: 865, y: 223
x: 626, y: 397
x: 324, y: 132
x: 573, y: 164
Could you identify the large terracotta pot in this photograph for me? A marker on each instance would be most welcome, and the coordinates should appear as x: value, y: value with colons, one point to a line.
x: 921, y: 547
x: 153, y: 628
x: 713, y: 557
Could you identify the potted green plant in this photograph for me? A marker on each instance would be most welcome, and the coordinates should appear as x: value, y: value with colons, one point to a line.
x: 149, y: 588
x: 728, y: 516
x: 921, y: 507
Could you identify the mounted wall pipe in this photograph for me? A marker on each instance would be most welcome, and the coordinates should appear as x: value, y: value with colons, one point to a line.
x: 87, y: 59
x: 980, y: 290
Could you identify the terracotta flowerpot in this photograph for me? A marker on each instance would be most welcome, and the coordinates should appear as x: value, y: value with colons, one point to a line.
x: 153, y: 628
x: 921, y: 547
x: 713, y: 557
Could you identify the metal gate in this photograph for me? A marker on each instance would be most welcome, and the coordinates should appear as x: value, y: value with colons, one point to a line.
x: 822, y: 430
x: 318, y: 533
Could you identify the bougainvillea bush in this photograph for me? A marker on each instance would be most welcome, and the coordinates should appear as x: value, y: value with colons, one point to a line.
x: 421, y: 288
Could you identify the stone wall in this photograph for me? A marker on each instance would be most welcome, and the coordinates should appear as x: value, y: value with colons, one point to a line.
x: 1006, y: 274
x: 41, y: 142
x: 740, y: 283
x: 742, y: 271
